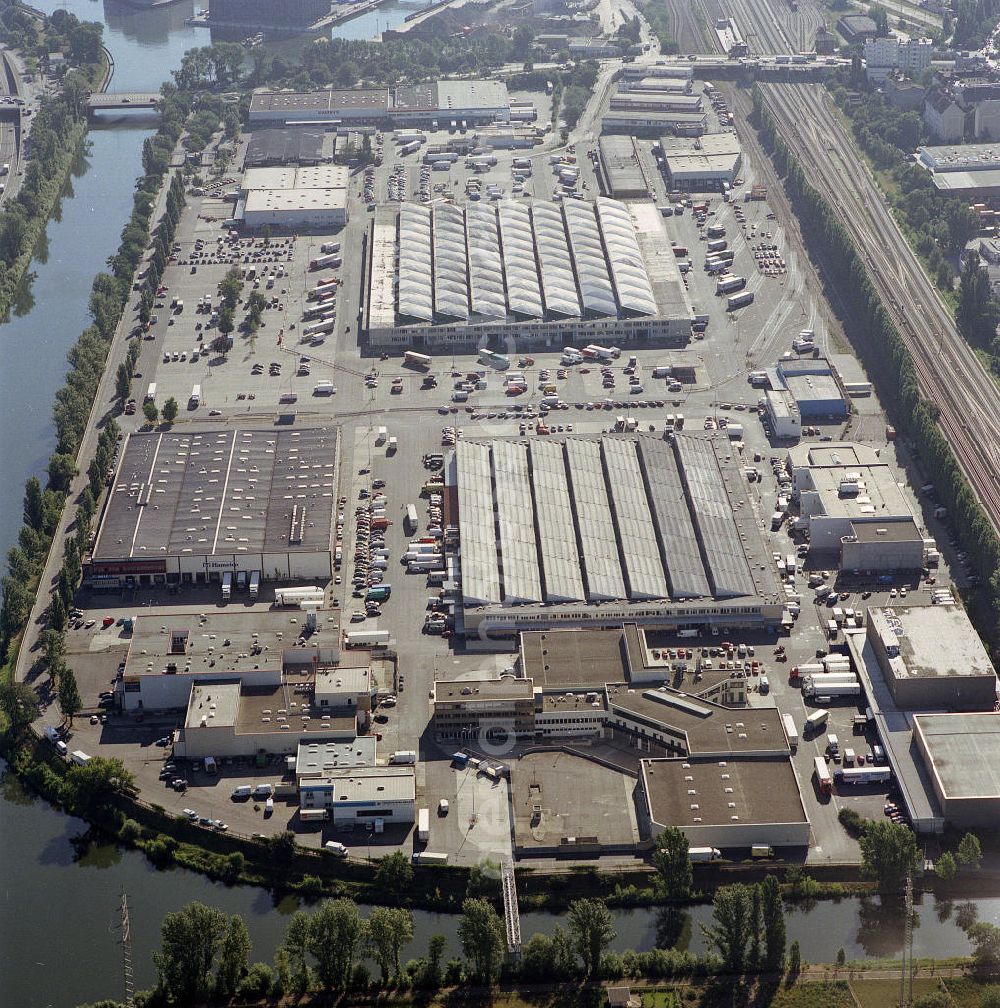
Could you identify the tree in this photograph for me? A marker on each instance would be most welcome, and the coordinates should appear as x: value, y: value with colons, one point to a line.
x: 69, y: 693
x: 170, y: 410
x: 34, y: 504
x: 970, y: 851
x: 149, y: 411
x: 57, y: 614
x: 985, y: 940
x: 388, y: 930
x: 730, y: 936
x: 189, y: 940
x: 293, y: 955
x: 394, y: 873
x: 234, y: 958
x: 794, y: 959
x: 773, y: 911
x: 888, y: 853
x: 549, y: 957
x: 435, y: 953
x: 98, y: 778
x: 673, y: 863
x: 483, y: 938
x: 62, y: 468
x: 18, y: 702
x: 990, y: 998
x: 945, y: 867
x: 226, y: 322
x: 334, y: 932
x: 590, y: 925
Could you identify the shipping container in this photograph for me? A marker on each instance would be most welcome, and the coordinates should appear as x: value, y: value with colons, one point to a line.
x: 728, y: 284
x: 366, y: 638
x: 314, y: 814
x: 411, y: 519
x: 823, y: 779
x: 719, y: 245
x: 333, y: 261
x: 791, y: 732
x: 815, y: 721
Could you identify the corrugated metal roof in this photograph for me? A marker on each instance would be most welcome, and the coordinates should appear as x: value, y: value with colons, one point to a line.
x: 414, y: 292
x: 602, y: 567
x: 728, y: 571
x: 636, y: 534
x: 451, y: 286
x: 524, y: 292
x: 635, y: 293
x: 486, y: 283
x: 516, y: 521
x: 588, y: 257
x: 678, y: 539
x: 480, y: 566
x: 560, y: 556
x: 558, y: 283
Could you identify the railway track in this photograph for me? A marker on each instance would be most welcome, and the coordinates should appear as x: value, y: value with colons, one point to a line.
x: 949, y: 373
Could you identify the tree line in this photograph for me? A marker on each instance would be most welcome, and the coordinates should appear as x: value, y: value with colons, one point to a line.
x: 204, y: 954
x: 887, y: 360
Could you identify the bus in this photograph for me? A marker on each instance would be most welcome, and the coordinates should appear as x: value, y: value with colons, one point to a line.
x: 823, y: 778
x: 416, y: 360
x: 254, y: 585
x: 493, y: 359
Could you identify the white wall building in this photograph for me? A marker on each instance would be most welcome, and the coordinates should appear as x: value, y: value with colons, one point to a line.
x: 911, y: 56
x: 783, y: 414
x: 363, y: 794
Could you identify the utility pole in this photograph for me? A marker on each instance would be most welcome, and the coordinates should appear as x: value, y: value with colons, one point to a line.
x: 126, y: 942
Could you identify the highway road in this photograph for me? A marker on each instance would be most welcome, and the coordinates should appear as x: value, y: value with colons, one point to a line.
x: 950, y: 374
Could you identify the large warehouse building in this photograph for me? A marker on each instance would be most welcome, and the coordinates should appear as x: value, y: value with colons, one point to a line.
x: 474, y: 102
x: 605, y: 530
x: 545, y: 274
x: 189, y: 506
x: 715, y: 159
x: 294, y: 197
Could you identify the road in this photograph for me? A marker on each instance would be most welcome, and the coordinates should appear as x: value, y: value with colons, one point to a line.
x: 950, y: 374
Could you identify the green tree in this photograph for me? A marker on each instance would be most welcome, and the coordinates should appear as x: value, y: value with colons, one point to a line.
x: 394, y: 873
x: 233, y: 958
x: 773, y: 911
x: 945, y: 866
x: 34, y: 504
x: 170, y: 410
x: 934, y: 999
x: 794, y: 958
x: 69, y: 694
x: 590, y: 924
x: 435, y: 953
x: 483, y: 939
x: 549, y: 958
x: 673, y: 862
x: 985, y: 940
x: 730, y: 935
x: 57, y: 614
x: 388, y: 930
x: 334, y: 932
x: 888, y: 853
x: 293, y: 954
x: 98, y: 778
x: 18, y: 702
x: 990, y: 998
x: 226, y: 323
x: 970, y: 851
x: 149, y: 411
x: 62, y: 468
x: 189, y: 940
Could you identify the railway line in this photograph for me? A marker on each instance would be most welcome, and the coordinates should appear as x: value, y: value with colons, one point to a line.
x: 949, y: 373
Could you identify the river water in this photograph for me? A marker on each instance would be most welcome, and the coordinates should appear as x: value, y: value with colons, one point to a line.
x: 59, y: 896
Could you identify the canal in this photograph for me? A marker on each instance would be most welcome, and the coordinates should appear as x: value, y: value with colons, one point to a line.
x: 58, y: 904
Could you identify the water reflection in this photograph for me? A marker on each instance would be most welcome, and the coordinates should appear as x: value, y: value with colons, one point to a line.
x: 150, y: 26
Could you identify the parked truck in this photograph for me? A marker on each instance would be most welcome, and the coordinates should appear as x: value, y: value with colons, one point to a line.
x: 823, y: 779
x: 704, y: 853
x: 864, y: 775
x: 403, y: 757
x: 316, y: 328
x: 719, y: 245
x: 366, y: 638
x: 332, y: 259
x: 428, y: 858
x: 833, y: 691
x: 738, y: 301
x: 424, y: 825
x: 327, y: 247
x: 791, y: 733
x: 410, y: 522
x: 815, y: 722
x: 727, y: 284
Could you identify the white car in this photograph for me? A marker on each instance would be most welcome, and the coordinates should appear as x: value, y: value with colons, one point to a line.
x: 443, y: 806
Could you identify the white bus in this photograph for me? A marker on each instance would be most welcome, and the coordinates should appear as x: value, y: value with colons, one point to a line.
x: 195, y: 401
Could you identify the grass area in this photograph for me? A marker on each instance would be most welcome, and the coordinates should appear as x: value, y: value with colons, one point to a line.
x: 661, y: 999
x: 816, y: 995
x: 966, y: 992
x: 879, y: 993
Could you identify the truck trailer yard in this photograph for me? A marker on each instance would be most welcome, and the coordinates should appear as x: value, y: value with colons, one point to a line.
x: 383, y: 420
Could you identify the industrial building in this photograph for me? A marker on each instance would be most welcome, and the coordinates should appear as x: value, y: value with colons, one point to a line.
x: 782, y: 414
x: 623, y: 169
x: 474, y: 102
x: 655, y: 101
x: 845, y: 486
x: 660, y: 70
x: 287, y: 14
x: 705, y: 166
x: 964, y: 168
x: 654, y: 123
x: 962, y: 755
x: 363, y: 795
x: 188, y: 506
x: 294, y: 197
x: 297, y: 146
x: 492, y: 709
x: 814, y: 388
x: 457, y: 275
x: 627, y: 529
x: 319, y: 757
x: 920, y: 672
x: 733, y: 802
x: 666, y: 85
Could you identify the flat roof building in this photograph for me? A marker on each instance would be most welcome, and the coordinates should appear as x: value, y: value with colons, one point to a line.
x: 361, y: 795
x: 653, y: 533
x: 294, y: 196
x: 654, y: 122
x: 319, y: 757
x: 625, y: 174
x: 717, y: 158
x: 931, y: 657
x: 454, y: 275
x: 733, y: 802
x: 187, y: 506
x: 300, y: 145
x: 962, y: 755
x: 962, y: 168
